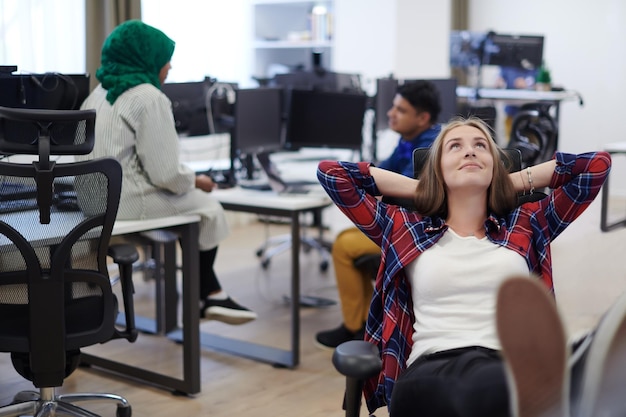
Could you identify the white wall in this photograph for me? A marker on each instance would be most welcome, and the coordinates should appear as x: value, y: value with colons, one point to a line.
x: 364, y: 39
x: 422, y: 48
x: 215, y: 33
x: 584, y: 49
x: 30, y: 37
x: 408, y: 38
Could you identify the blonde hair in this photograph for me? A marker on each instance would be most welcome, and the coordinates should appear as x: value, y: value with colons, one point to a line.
x: 430, y: 197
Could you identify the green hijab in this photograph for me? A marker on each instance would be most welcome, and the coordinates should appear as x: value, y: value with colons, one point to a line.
x: 133, y: 54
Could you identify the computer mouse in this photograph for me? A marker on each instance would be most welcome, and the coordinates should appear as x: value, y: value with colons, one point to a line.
x: 68, y: 204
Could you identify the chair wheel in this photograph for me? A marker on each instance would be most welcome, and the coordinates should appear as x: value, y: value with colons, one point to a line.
x: 25, y: 396
x: 265, y: 263
x: 259, y: 253
x: 324, y: 266
x: 124, y: 411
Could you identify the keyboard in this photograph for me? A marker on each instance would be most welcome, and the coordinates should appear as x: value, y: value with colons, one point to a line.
x: 10, y: 191
x: 12, y: 206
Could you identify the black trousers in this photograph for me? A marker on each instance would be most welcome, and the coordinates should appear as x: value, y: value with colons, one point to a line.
x: 208, y: 280
x: 467, y: 382
x: 463, y: 382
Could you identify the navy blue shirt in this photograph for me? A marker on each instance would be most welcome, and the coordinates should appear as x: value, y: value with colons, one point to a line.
x: 401, y: 160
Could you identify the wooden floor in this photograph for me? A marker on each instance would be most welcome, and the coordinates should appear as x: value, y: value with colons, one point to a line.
x: 589, y: 274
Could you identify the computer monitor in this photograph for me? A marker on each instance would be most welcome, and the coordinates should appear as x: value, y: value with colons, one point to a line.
x: 325, y: 119
x: 466, y: 48
x: 519, y: 51
x: 258, y: 120
x: 386, y: 89
x: 319, y: 80
x: 49, y: 91
x: 189, y: 106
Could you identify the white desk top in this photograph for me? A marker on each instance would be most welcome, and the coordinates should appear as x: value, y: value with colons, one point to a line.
x: 617, y: 147
x: 123, y: 227
x: 272, y: 200
x: 514, y: 95
x: 61, y: 222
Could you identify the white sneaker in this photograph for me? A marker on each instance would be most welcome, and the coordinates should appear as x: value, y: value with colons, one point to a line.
x: 227, y: 311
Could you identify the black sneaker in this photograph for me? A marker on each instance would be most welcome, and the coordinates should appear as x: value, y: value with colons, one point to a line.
x: 330, y: 339
x: 227, y: 311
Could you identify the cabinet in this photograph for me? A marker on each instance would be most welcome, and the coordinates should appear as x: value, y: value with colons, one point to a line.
x: 287, y: 33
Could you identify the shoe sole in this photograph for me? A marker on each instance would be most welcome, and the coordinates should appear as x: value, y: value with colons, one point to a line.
x: 534, y: 347
x: 602, y: 392
x: 229, y: 316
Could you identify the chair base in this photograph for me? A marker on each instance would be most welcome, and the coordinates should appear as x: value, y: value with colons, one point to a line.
x: 46, y: 403
x: 279, y: 244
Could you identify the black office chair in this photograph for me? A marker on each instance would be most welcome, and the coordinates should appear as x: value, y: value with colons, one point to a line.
x: 359, y: 360
x: 535, y: 133
x: 55, y: 292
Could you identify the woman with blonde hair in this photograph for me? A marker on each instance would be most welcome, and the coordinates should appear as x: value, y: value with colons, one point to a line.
x: 433, y: 314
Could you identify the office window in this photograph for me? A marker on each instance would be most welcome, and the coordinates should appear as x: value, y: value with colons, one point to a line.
x: 42, y: 35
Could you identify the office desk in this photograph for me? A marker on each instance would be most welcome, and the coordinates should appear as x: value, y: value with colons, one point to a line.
x: 508, y: 94
x: 520, y: 96
x: 612, y: 148
x: 186, y: 226
x: 517, y: 96
x: 269, y: 203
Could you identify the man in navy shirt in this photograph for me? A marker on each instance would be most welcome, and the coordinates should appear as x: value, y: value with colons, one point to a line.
x: 416, y: 107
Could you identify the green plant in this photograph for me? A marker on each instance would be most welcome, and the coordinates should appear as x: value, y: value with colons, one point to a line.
x: 543, y: 75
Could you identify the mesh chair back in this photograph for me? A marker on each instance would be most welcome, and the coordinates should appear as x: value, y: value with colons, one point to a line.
x: 55, y: 293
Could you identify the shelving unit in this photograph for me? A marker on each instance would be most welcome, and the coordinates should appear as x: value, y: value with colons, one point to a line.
x: 286, y: 33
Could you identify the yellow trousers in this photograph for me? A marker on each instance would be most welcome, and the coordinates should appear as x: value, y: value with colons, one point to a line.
x: 354, y: 286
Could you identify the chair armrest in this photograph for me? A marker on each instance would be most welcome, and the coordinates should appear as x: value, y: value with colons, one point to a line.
x: 124, y: 255
x: 357, y: 359
x: 369, y: 262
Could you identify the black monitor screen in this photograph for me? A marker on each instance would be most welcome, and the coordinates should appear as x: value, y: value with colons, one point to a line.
x: 258, y: 120
x: 325, y: 119
x: 189, y: 106
x: 319, y: 80
x: 50, y: 91
x: 514, y: 51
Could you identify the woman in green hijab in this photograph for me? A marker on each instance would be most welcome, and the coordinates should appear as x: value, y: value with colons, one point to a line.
x: 135, y: 125
x: 133, y: 54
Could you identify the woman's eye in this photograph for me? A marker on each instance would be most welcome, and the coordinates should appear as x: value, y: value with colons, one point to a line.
x: 481, y: 145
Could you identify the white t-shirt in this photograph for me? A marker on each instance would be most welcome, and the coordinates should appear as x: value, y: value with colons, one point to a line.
x: 454, y: 285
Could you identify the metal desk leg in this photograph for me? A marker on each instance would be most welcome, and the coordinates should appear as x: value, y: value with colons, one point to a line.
x: 170, y: 293
x: 272, y: 355
x: 604, y: 225
x: 190, y: 384
x: 295, y: 289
